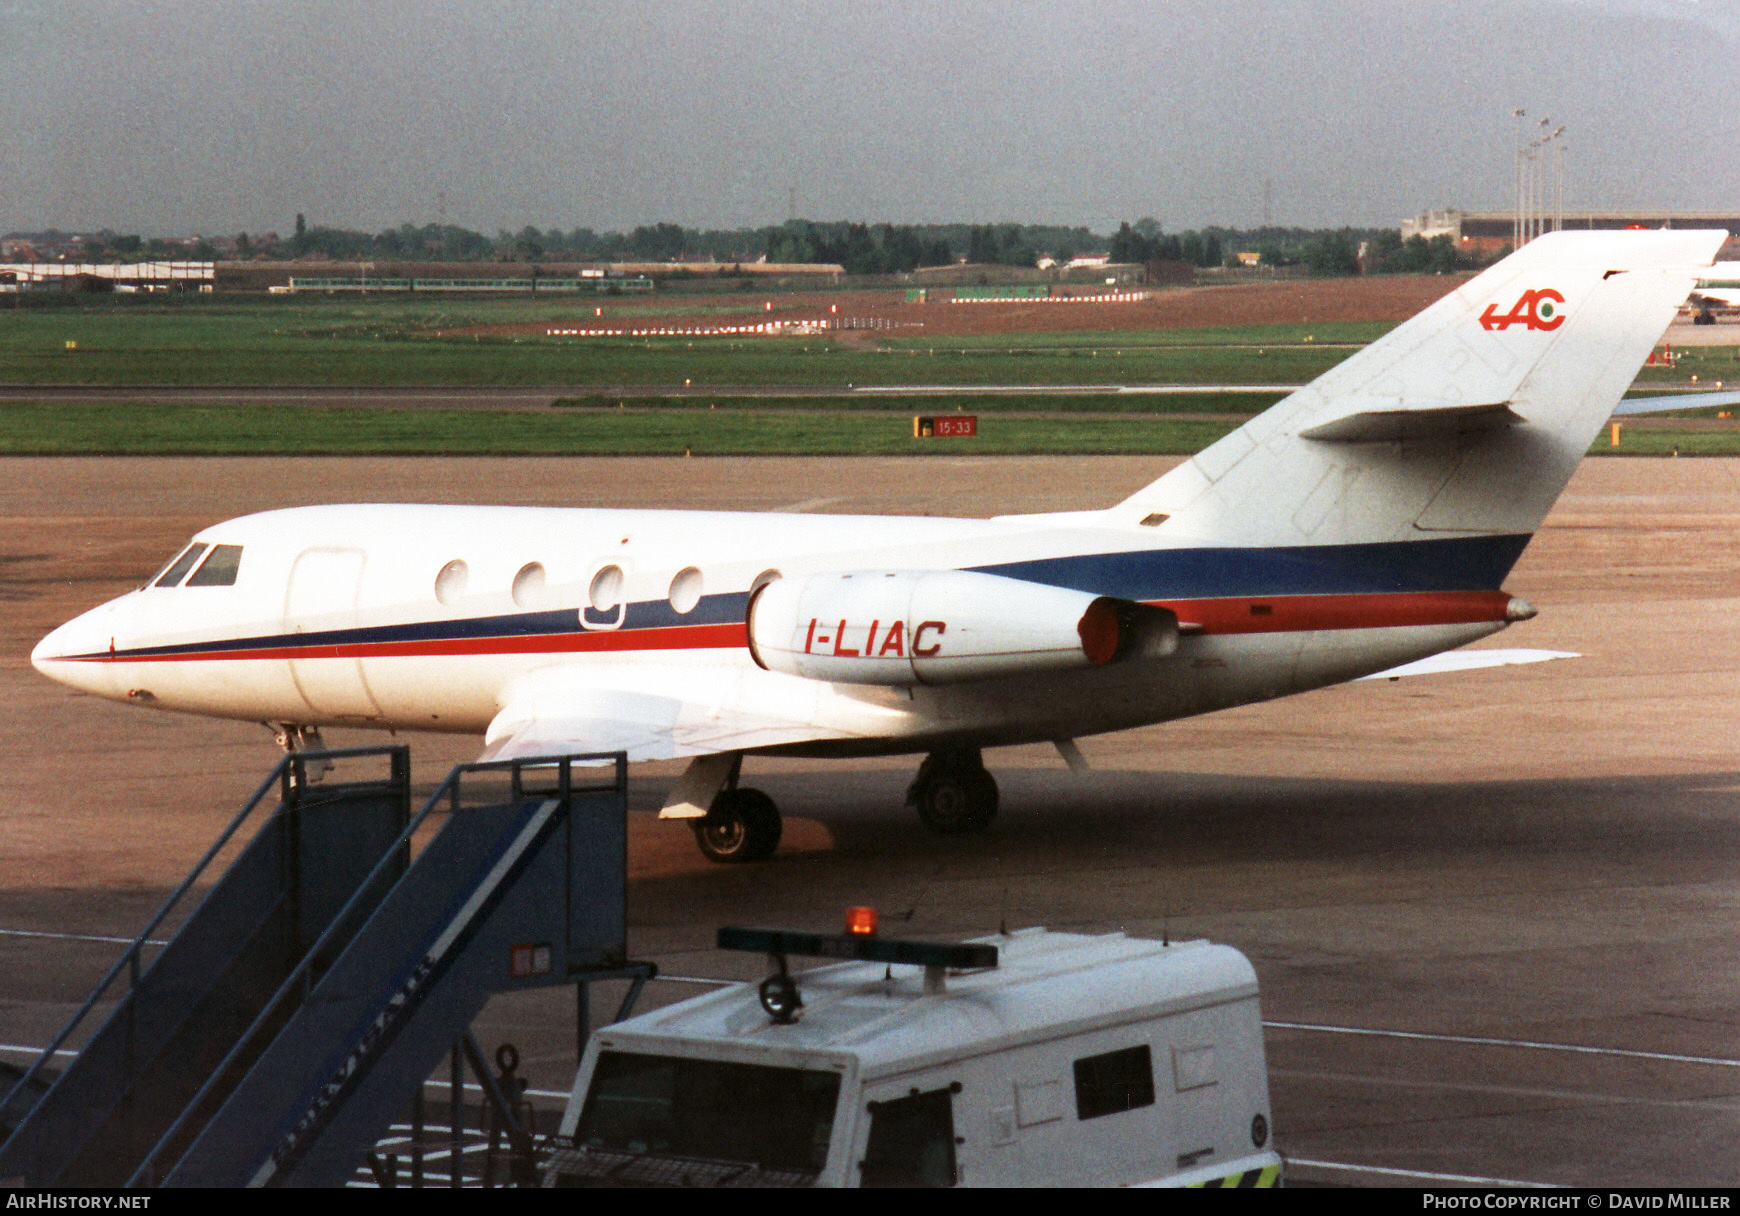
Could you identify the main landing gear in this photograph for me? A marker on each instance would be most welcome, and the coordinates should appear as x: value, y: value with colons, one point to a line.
x: 953, y: 793
x: 741, y: 825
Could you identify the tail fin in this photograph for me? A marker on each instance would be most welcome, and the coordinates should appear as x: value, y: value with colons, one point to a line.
x: 1466, y: 420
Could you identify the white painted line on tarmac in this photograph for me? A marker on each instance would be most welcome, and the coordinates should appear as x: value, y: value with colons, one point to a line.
x: 78, y: 937
x: 1509, y: 1091
x: 1528, y: 1044
x: 1417, y: 1175
x: 19, y: 1050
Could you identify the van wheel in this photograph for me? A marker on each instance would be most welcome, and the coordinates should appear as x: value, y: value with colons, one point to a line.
x: 742, y: 825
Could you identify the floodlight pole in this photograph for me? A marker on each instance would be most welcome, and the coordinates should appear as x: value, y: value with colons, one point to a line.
x: 1516, y: 214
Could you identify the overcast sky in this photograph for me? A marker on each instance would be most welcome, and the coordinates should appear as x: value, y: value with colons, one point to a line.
x: 217, y: 116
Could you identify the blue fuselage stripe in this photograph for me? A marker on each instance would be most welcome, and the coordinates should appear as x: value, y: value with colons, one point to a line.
x: 1477, y: 563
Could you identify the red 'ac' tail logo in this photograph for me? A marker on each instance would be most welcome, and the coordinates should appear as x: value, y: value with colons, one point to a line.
x: 1538, y: 309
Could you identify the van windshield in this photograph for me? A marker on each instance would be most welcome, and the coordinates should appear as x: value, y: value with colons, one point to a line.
x: 652, y: 1120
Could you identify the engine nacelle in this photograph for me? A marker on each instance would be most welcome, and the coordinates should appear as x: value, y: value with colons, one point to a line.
x: 904, y: 627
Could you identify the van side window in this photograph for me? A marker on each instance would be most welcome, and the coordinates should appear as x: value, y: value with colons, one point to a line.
x: 1116, y: 1081
x: 912, y: 1141
x: 218, y: 570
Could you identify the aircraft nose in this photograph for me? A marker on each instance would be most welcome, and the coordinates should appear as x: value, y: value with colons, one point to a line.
x: 75, y: 654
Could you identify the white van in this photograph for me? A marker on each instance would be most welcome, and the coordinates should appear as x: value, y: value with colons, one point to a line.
x: 1072, y: 1060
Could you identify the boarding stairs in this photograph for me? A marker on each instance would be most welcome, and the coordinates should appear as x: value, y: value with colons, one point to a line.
x: 342, y: 954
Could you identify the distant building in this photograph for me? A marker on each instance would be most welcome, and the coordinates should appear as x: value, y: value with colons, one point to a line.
x: 1488, y: 232
x: 1173, y: 272
x: 109, y: 276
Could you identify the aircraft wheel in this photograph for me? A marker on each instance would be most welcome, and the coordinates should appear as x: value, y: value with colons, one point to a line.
x: 952, y: 800
x: 742, y: 825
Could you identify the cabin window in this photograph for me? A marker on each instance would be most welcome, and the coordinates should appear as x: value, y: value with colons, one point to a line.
x: 529, y: 585
x: 648, y: 1112
x: 1114, y: 1082
x: 450, y: 583
x: 762, y: 580
x: 177, y: 569
x: 912, y: 1141
x: 606, y: 589
x: 686, y: 590
x: 219, y: 569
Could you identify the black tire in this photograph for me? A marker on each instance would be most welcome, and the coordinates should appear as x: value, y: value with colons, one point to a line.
x: 952, y: 801
x: 743, y: 825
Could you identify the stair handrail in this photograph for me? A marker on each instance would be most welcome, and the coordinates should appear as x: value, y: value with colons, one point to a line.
x: 291, y: 767
x: 448, y: 789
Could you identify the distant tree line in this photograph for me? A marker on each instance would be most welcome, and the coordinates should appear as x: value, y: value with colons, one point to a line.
x: 108, y: 246
x: 861, y: 248
x: 1418, y: 255
x: 1144, y: 241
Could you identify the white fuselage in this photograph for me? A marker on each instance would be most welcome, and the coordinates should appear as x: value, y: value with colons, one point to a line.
x: 423, y: 617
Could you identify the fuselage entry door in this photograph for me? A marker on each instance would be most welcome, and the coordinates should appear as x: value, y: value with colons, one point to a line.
x: 320, y: 612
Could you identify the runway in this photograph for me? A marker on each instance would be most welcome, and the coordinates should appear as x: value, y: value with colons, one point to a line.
x: 1495, y: 915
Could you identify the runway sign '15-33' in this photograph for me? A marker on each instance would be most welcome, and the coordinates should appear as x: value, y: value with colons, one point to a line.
x: 952, y: 426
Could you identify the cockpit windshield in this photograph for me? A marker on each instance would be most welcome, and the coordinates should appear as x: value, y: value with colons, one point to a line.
x: 177, y: 570
x: 217, y: 570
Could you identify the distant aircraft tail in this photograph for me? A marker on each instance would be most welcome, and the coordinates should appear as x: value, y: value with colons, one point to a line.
x: 1466, y: 420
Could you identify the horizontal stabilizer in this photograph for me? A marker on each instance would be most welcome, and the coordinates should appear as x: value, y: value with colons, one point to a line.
x: 1469, y: 660
x: 1370, y: 422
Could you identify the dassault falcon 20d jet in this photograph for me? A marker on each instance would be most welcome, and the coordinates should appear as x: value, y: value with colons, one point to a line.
x: 1366, y: 521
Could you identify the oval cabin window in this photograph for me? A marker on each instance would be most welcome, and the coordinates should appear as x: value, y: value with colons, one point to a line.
x: 450, y: 583
x: 529, y: 585
x: 686, y: 590
x: 605, y: 592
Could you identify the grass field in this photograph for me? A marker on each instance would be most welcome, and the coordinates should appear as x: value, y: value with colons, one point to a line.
x: 663, y: 382
x: 154, y: 429
x: 385, y: 341
x: 1709, y: 366
x: 943, y: 401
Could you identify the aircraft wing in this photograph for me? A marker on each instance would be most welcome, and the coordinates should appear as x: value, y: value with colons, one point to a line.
x: 654, y: 715
x: 1469, y: 660
x: 1674, y: 401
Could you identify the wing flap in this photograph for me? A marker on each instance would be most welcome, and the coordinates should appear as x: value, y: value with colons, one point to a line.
x: 652, y: 715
